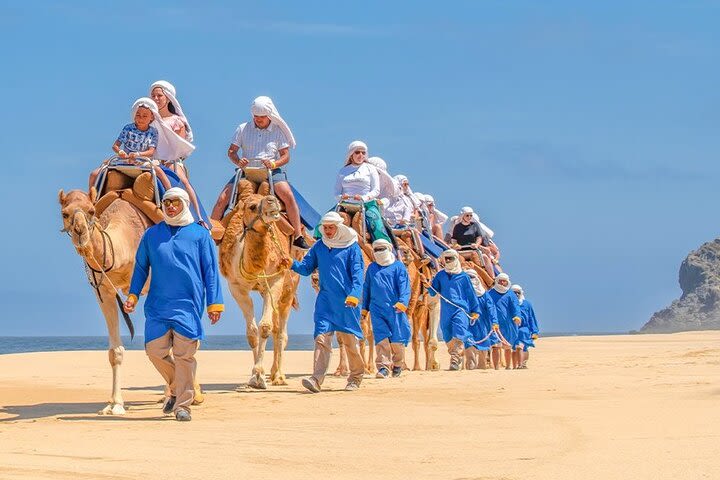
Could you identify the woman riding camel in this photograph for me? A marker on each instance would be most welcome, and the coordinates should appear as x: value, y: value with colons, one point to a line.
x: 468, y: 236
x: 358, y: 182
x: 163, y: 94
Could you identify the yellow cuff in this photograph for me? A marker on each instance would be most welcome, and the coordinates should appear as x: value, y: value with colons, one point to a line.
x: 133, y: 297
x: 400, y: 307
x: 496, y: 326
x: 364, y: 312
x: 216, y: 307
x: 474, y: 316
x: 517, y: 319
x: 353, y: 300
x: 273, y: 165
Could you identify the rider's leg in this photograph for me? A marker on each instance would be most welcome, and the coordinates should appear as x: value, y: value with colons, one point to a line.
x: 162, y: 177
x: 374, y: 222
x: 222, y: 203
x: 180, y: 171
x: 284, y: 193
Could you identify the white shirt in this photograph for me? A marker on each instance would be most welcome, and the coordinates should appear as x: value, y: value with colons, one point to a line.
x: 262, y: 143
x: 400, y: 208
x: 360, y: 180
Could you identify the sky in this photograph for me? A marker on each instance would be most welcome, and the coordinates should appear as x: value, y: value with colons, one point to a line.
x: 585, y: 134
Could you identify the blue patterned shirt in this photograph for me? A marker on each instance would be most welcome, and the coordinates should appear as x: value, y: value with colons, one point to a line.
x: 132, y: 139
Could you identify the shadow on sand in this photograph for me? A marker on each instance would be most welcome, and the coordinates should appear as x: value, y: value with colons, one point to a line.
x: 86, y: 411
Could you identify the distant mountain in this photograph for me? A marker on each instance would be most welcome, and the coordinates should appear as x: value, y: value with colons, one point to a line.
x: 699, y: 306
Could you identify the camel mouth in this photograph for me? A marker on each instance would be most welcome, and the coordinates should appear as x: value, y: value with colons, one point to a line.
x: 272, y: 216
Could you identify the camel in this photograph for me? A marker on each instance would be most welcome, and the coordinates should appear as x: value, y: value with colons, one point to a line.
x: 255, y: 256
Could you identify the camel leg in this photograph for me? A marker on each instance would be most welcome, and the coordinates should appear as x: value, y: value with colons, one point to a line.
x: 280, y: 337
x: 416, y: 342
x: 367, y: 333
x: 265, y: 330
x: 434, y: 323
x: 242, y: 297
x: 343, y: 370
x: 116, y: 352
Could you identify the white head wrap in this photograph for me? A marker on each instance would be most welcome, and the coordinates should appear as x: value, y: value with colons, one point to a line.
x: 344, y: 237
x: 452, y: 261
x: 409, y: 193
x: 465, y: 210
x: 184, y: 217
x: 440, y: 217
x: 500, y: 288
x: 169, y: 91
x: 519, y: 290
x: 386, y: 256
x: 264, y: 107
x: 378, y: 163
x: 171, y: 146
x: 354, y: 147
x: 388, y: 187
x: 476, y: 282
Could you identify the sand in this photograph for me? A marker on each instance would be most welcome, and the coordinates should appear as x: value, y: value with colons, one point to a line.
x: 610, y: 407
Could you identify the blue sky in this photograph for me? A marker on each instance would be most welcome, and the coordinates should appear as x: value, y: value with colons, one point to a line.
x: 585, y: 135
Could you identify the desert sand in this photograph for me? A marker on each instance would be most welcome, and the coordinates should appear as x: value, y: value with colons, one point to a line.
x: 610, y: 407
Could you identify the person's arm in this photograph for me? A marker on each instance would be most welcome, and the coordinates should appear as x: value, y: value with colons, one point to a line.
x: 403, y: 285
x: 211, y: 279
x: 366, y: 291
x: 515, y: 309
x: 532, y: 321
x: 473, y: 303
x: 492, y: 319
x: 435, y: 284
x: 355, y: 269
x: 374, y: 185
x: 141, y: 272
x: 308, y: 263
x: 339, y: 188
x: 145, y: 153
x: 283, y: 160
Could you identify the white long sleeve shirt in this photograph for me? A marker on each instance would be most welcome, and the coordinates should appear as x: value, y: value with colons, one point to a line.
x: 360, y: 180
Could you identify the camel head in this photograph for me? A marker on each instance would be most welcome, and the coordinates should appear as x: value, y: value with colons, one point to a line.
x: 259, y: 211
x: 78, y: 214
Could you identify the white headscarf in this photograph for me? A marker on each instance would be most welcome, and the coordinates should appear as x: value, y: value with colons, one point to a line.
x: 388, y: 187
x: 344, y: 237
x: 171, y: 146
x: 518, y: 289
x: 354, y: 147
x: 457, y: 218
x: 386, y: 256
x: 402, y: 178
x: 476, y: 282
x: 500, y: 288
x: 452, y: 265
x: 185, y: 216
x: 264, y: 107
x: 440, y: 217
x: 169, y: 91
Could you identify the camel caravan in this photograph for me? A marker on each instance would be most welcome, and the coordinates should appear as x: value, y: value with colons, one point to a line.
x: 385, y: 272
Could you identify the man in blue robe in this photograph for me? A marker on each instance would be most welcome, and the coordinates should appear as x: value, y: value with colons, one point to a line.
x: 181, y: 257
x: 483, y: 333
x: 528, y: 330
x: 509, y: 319
x: 458, y: 305
x: 386, y: 294
x: 338, y: 259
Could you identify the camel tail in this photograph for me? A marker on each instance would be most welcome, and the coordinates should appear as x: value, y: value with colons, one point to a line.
x: 128, y: 320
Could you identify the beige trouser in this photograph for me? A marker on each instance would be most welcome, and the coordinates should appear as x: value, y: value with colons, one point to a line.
x: 178, y: 367
x: 389, y: 354
x: 455, y: 349
x: 323, y: 352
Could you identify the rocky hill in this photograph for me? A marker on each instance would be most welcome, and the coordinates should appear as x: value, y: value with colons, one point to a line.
x: 699, y: 306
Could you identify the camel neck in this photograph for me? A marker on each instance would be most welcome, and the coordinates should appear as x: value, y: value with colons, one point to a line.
x: 255, y: 252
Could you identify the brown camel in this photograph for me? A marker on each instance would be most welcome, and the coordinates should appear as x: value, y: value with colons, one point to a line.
x: 107, y: 242
x: 255, y: 256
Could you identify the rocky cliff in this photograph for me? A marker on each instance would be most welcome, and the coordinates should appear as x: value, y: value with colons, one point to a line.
x: 699, y: 306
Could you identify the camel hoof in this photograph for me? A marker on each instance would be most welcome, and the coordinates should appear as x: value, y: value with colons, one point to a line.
x: 341, y: 373
x: 435, y: 366
x: 279, y: 380
x: 112, y: 409
x: 257, y: 382
x: 199, y: 398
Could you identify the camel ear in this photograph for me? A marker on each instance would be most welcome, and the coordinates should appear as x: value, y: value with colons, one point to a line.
x: 61, y: 197
x: 93, y: 194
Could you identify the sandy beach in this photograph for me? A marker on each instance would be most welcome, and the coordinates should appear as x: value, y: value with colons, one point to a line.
x: 610, y: 407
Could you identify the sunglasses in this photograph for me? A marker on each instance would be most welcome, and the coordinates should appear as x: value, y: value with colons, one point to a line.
x: 175, y: 202
x: 360, y: 152
x: 379, y: 249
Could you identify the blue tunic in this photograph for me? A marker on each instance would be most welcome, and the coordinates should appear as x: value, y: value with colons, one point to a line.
x: 341, y: 276
x: 508, y: 308
x: 483, y: 325
x: 184, y: 270
x: 458, y: 289
x: 529, y: 326
x: 383, y: 288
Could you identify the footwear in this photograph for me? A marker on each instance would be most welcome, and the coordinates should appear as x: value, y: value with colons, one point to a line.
x: 300, y: 243
x: 311, y: 384
x: 351, y: 387
x: 396, y: 371
x: 169, y: 405
x: 182, y: 415
x: 382, y: 373
x: 454, y: 366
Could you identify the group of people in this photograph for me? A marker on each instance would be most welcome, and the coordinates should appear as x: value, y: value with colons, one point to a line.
x: 179, y: 257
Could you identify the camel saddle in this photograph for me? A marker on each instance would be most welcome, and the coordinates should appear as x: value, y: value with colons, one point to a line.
x: 137, y: 190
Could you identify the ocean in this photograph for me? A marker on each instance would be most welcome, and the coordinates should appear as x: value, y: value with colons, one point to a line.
x: 211, y: 342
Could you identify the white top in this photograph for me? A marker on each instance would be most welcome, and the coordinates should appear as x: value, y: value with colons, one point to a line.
x: 401, y: 208
x: 263, y: 143
x: 360, y: 180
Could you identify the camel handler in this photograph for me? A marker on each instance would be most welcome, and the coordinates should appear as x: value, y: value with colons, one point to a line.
x: 528, y: 330
x: 181, y: 257
x: 458, y: 306
x: 339, y: 262
x: 386, y: 293
x: 483, y: 330
x: 269, y: 139
x: 509, y: 319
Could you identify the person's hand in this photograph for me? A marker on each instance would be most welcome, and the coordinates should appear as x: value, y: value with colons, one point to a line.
x: 268, y: 163
x: 496, y: 327
x: 357, y: 197
x: 121, y: 153
x: 534, y: 336
x: 214, y: 317
x: 243, y: 162
x: 285, y: 263
x: 426, y: 283
x: 344, y: 196
x: 351, y: 302
x: 129, y: 305
x: 517, y: 321
x: 133, y: 155
x: 364, y: 314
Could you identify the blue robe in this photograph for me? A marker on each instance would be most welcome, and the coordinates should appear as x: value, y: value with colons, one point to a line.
x: 383, y: 288
x: 184, y: 279
x: 341, y: 276
x: 529, y: 326
x: 483, y: 325
x: 459, y: 290
x: 508, y: 308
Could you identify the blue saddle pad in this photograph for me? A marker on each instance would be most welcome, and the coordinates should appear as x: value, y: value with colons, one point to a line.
x: 308, y: 215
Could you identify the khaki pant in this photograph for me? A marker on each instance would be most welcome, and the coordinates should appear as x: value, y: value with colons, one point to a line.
x: 323, y: 352
x: 389, y: 355
x: 455, y: 349
x: 177, y: 368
